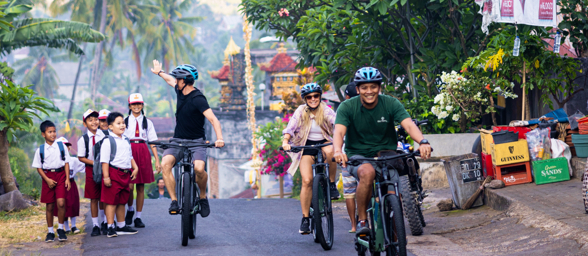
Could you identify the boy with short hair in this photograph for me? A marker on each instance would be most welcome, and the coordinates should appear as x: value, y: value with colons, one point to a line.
x: 86, y: 155
x: 51, y: 163
x: 116, y: 175
x: 102, y: 115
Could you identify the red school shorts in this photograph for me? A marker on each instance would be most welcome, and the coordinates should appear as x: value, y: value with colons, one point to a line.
x: 50, y: 195
x: 119, y: 191
x: 92, y: 190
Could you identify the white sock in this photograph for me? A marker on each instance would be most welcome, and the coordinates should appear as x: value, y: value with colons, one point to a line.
x: 111, y: 225
x: 120, y: 224
x: 66, y: 224
x: 138, y: 215
x: 60, y: 226
x: 95, y: 222
x: 73, y: 222
x: 131, y: 209
x: 50, y: 229
x: 101, y: 215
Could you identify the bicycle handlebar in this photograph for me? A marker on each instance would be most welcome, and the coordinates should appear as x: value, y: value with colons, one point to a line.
x: 297, y: 149
x: 357, y: 161
x: 165, y: 145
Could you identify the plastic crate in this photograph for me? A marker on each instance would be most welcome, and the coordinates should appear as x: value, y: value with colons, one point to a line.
x: 581, y: 144
x: 520, y: 129
x: 551, y: 170
x: 487, y: 165
x: 514, y: 174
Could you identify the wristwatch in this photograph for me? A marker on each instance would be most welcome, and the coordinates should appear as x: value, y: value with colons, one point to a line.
x: 159, y: 73
x: 424, y: 141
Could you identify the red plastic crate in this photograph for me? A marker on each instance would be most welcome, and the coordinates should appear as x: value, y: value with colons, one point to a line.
x: 521, y: 130
x: 487, y: 165
x: 521, y: 175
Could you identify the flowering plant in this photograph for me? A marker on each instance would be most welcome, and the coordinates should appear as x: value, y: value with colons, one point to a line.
x: 274, y: 160
x: 466, y: 99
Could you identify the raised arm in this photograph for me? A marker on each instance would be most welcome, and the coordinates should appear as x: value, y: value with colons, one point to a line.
x: 157, y: 69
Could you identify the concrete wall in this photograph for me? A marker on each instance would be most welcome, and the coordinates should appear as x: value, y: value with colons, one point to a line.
x: 451, y: 144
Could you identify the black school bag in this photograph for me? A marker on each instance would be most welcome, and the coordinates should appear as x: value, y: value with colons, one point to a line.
x: 97, y: 168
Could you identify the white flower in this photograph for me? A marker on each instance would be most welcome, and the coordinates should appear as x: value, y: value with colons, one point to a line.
x: 449, y: 108
x: 497, y: 89
x: 443, y: 115
x: 438, y: 98
x: 455, y: 117
x: 435, y: 110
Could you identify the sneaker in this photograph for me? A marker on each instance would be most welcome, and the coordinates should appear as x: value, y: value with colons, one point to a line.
x: 174, y: 208
x: 204, y: 207
x: 334, y: 192
x: 67, y: 232
x: 111, y: 232
x: 129, y: 218
x: 95, y: 231
x: 362, y: 227
x: 75, y: 230
x: 61, y: 235
x: 305, y: 226
x: 50, y: 237
x: 139, y: 223
x: 104, y: 228
x: 126, y: 230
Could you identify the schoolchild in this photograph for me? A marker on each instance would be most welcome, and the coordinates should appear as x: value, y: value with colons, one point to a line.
x: 86, y: 155
x: 72, y: 197
x: 140, y: 130
x: 116, y: 175
x: 102, y: 115
x: 51, y: 163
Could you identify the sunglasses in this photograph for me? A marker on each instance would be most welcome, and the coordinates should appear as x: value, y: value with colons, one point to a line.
x: 310, y: 97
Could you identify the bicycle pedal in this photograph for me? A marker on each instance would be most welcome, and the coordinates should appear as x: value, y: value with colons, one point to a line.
x: 174, y: 212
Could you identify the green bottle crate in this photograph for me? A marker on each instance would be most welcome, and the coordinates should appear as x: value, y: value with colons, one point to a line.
x: 551, y: 170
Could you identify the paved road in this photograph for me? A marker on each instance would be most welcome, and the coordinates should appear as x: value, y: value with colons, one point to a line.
x: 234, y: 227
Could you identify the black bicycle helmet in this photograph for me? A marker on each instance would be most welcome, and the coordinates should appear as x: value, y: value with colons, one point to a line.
x: 367, y: 75
x: 187, y: 72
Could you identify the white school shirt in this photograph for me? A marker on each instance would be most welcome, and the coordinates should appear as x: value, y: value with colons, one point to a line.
x: 82, y: 146
x: 123, y: 156
x: 149, y: 135
x: 75, y: 166
x: 52, y: 157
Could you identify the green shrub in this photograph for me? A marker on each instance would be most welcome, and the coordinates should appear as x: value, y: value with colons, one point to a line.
x: 27, y: 177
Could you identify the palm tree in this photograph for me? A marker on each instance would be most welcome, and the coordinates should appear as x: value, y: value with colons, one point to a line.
x: 17, y: 33
x: 36, y: 70
x: 168, y: 36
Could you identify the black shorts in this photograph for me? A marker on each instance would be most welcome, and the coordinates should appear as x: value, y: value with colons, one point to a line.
x: 312, y: 152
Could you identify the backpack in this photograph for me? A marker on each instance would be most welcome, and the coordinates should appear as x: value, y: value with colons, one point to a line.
x: 97, y: 168
x: 87, y: 141
x: 42, y: 151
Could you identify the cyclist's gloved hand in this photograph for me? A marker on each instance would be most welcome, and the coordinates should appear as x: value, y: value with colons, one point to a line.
x: 219, y: 143
x: 425, y: 150
x: 341, y: 158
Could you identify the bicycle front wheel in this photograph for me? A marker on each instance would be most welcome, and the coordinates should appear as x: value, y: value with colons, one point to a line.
x: 186, y: 207
x: 196, y: 208
x: 395, y: 226
x: 323, y: 215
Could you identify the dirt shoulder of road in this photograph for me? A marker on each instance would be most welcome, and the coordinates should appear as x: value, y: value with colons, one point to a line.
x: 23, y: 233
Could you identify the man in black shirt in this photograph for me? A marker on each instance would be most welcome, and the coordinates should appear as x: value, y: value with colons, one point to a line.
x: 192, y: 107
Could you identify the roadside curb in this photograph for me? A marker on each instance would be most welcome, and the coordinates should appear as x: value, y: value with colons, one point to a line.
x: 533, y: 218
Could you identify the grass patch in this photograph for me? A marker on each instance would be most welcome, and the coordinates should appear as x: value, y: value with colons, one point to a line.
x: 16, y: 215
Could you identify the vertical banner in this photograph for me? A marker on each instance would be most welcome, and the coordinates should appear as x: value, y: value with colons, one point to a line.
x: 534, y: 12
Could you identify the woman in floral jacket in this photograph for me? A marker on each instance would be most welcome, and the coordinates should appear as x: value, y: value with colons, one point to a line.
x: 311, y: 124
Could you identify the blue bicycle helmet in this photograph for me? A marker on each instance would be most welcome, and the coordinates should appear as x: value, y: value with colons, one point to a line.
x: 367, y: 75
x: 310, y: 88
x: 187, y: 72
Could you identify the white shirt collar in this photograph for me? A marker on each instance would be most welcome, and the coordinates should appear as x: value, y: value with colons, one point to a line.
x: 54, y: 144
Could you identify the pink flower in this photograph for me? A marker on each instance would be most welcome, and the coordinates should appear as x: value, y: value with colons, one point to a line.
x: 283, y: 12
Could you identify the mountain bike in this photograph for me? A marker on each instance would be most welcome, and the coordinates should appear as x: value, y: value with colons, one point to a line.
x: 385, y: 212
x: 412, y: 186
x: 321, y: 209
x: 187, y: 189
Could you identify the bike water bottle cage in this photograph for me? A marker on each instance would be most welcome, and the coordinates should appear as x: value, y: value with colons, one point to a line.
x: 367, y: 75
x: 308, y: 89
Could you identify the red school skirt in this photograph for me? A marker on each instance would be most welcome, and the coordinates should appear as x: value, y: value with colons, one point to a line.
x: 142, y: 158
x: 72, y: 201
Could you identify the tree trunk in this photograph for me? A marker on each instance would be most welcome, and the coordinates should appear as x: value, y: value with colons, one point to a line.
x: 5, y: 171
x: 493, y: 111
x: 75, y: 86
x: 98, y: 53
x: 463, y: 123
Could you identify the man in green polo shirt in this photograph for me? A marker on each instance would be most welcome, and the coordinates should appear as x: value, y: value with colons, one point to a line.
x: 369, y: 123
